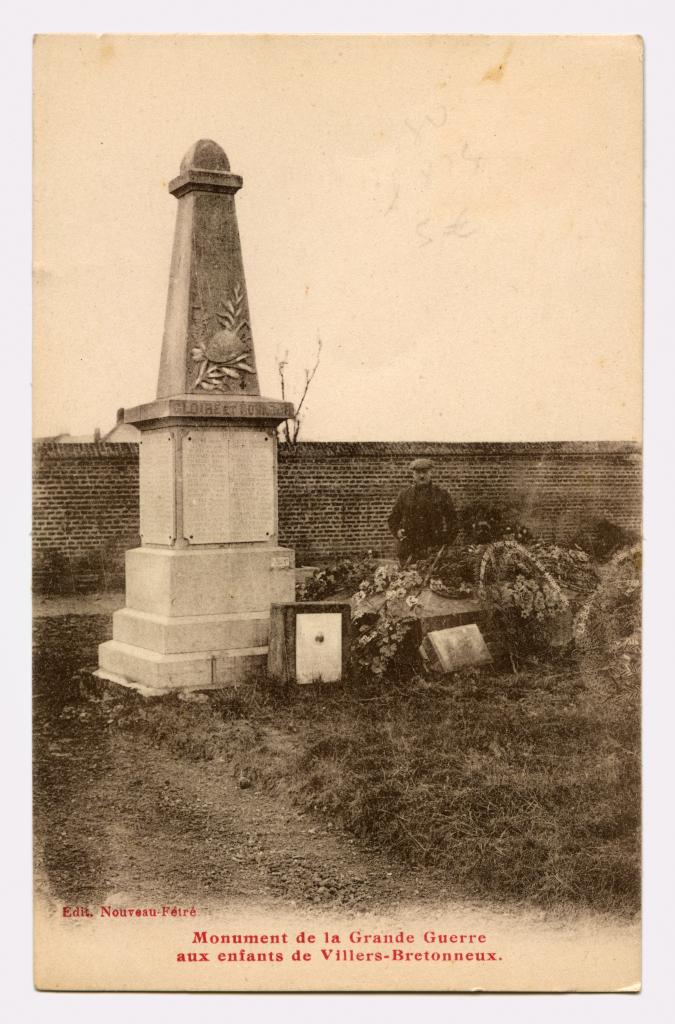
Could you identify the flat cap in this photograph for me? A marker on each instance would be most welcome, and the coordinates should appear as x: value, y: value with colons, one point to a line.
x: 421, y: 464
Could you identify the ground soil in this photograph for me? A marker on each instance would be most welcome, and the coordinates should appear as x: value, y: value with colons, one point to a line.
x: 114, y: 816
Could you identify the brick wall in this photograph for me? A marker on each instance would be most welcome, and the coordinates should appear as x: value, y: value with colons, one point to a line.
x: 337, y: 496
x: 333, y: 497
x: 85, y: 514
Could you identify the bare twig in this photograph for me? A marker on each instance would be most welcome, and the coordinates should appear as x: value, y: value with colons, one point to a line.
x: 281, y: 367
x: 309, y: 377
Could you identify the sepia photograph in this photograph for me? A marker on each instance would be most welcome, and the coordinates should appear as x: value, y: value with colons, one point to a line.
x: 337, y: 513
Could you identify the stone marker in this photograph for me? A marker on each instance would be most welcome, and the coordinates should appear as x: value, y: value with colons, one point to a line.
x: 447, y: 650
x: 309, y: 642
x: 199, y: 589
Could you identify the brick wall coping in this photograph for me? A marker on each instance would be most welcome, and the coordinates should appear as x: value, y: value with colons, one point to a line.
x: 104, y: 449
x: 349, y: 449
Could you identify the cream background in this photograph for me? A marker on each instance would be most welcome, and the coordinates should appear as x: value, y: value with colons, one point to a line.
x: 458, y: 217
x: 535, y: 952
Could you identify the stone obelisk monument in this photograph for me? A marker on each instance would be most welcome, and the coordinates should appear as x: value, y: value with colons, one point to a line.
x: 199, y: 589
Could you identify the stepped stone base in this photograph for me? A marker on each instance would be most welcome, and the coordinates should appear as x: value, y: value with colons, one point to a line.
x: 190, y: 634
x: 154, y: 673
x: 196, y: 619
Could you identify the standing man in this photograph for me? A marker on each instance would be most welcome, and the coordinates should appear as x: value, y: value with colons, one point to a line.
x: 423, y: 518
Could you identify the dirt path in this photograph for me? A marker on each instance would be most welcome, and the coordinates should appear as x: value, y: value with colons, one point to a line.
x: 190, y: 832
x: 142, y: 823
x: 103, y: 602
x: 119, y: 813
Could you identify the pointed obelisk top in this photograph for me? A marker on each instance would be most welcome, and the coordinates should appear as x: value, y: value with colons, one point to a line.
x: 207, y: 155
x: 205, y: 168
x: 207, y: 367
x: 208, y: 345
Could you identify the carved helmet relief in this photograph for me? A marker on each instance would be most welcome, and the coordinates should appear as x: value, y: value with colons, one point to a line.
x: 224, y: 355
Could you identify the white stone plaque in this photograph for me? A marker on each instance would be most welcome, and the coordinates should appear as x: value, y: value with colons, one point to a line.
x: 456, y: 647
x: 228, y: 486
x: 280, y: 562
x: 157, y: 487
x: 318, y: 647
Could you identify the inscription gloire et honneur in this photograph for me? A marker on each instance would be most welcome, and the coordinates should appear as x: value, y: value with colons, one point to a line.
x: 232, y: 409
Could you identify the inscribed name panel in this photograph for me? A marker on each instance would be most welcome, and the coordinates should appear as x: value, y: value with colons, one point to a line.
x: 157, y: 487
x: 206, y: 487
x: 251, y: 477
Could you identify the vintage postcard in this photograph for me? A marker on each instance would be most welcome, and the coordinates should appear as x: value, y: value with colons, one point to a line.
x: 337, y: 513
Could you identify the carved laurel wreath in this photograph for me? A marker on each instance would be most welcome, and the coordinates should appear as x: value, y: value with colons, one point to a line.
x: 224, y: 356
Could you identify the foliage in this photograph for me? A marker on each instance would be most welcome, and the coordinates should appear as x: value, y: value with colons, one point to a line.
x: 525, y: 613
x: 345, y: 574
x: 56, y: 572
x: 453, y: 574
x: 548, y: 601
x: 392, y: 582
x: 51, y: 572
x: 607, y: 632
x: 571, y: 567
x: 602, y: 539
x: 524, y: 601
x: 530, y: 599
x: 384, y: 638
x: 531, y: 593
x: 482, y: 523
x: 385, y: 645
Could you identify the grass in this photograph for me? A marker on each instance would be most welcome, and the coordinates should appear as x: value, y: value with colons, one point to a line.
x: 517, y: 787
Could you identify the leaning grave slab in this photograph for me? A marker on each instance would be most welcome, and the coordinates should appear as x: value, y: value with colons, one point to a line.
x: 200, y: 587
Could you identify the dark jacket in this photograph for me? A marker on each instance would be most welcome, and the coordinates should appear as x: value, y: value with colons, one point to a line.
x: 427, y: 515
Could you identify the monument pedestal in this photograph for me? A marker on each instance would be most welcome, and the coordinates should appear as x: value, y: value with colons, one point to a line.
x: 199, y: 590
